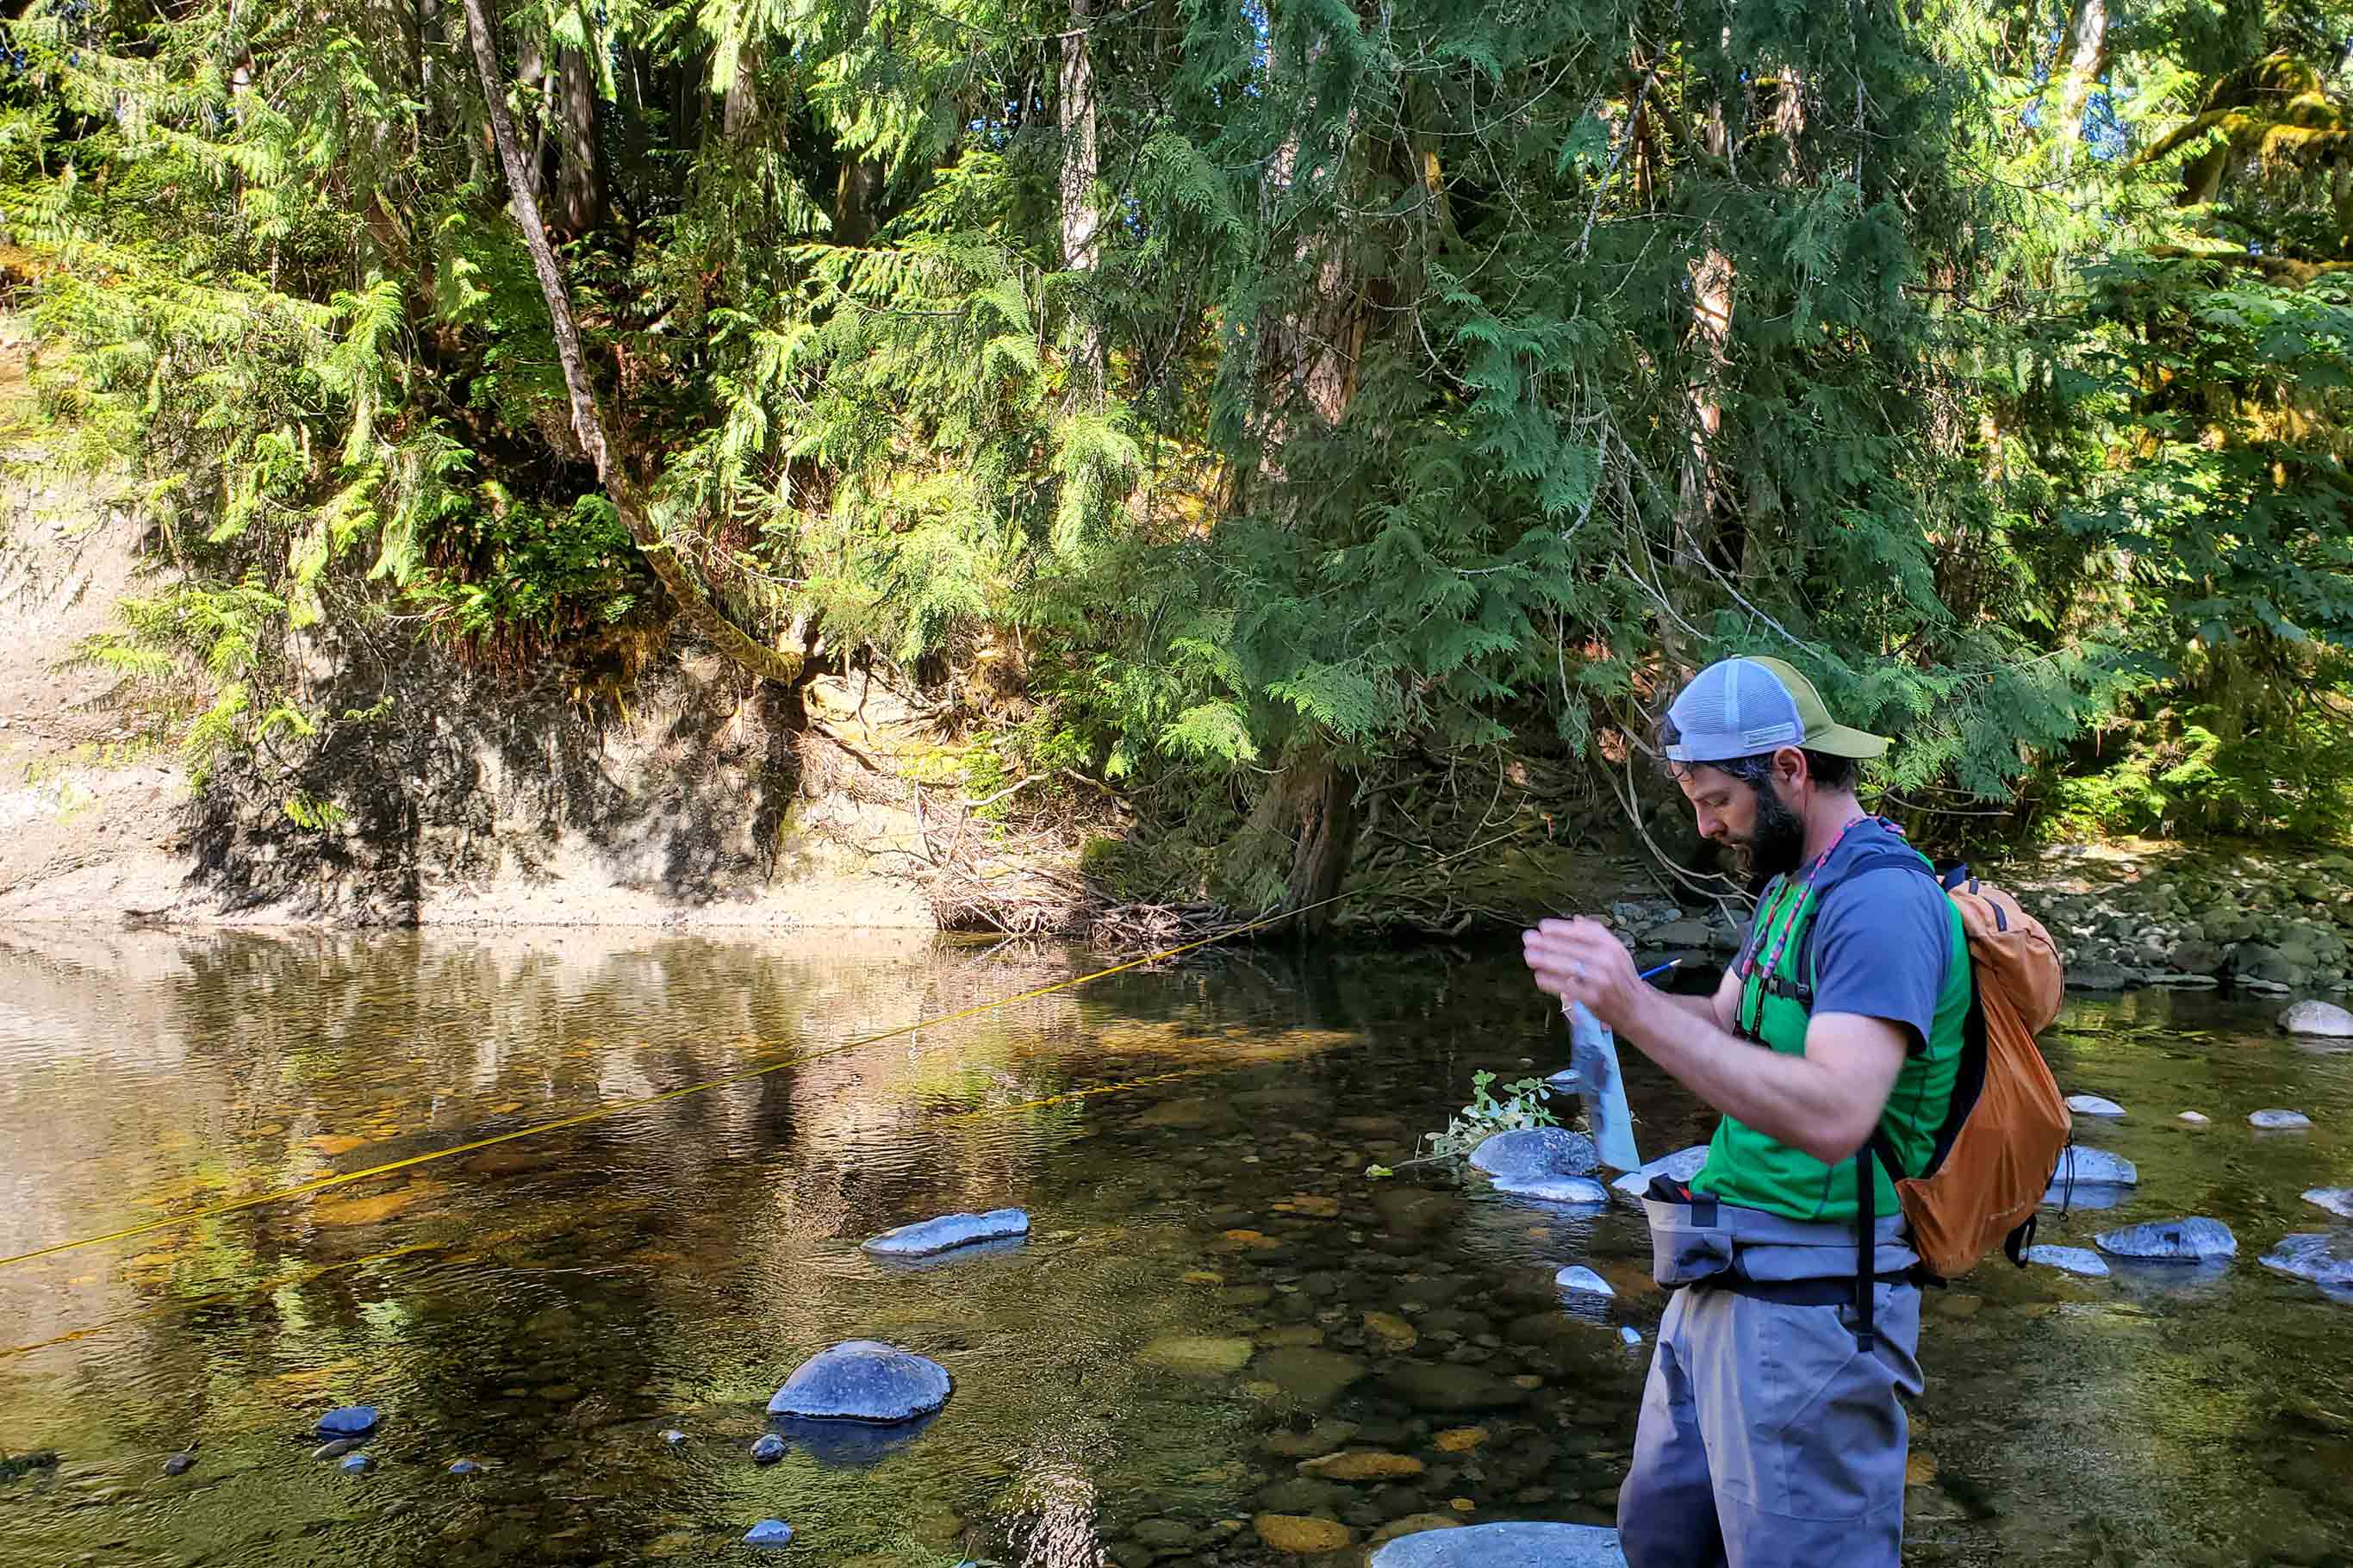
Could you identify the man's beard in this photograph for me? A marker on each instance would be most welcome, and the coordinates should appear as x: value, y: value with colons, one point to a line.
x: 1778, y: 844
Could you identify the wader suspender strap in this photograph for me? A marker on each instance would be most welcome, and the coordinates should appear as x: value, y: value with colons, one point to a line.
x: 1866, y: 1219
x: 1866, y: 1183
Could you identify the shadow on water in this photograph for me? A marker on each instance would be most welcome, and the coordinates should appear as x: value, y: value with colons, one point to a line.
x: 1212, y: 1301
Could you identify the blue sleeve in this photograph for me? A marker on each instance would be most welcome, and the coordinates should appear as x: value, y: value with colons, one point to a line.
x: 1882, y: 941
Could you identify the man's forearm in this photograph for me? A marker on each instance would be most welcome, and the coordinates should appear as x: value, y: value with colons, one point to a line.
x: 1792, y: 1099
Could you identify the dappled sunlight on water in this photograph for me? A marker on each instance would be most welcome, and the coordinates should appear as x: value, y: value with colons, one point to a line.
x: 1213, y: 1294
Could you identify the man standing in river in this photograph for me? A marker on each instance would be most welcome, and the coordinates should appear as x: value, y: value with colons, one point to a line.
x: 1773, y: 1431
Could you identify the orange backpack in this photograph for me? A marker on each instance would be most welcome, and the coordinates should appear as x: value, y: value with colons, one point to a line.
x: 2003, y: 1138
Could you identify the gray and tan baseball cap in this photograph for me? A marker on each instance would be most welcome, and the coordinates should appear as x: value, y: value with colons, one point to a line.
x: 1741, y: 707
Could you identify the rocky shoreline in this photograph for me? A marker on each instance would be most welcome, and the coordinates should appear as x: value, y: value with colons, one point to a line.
x: 2130, y: 916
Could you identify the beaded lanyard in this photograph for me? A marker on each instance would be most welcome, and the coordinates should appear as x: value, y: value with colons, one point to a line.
x: 1793, y: 892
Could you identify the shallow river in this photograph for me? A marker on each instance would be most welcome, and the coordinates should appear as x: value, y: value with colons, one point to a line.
x: 1192, y: 1143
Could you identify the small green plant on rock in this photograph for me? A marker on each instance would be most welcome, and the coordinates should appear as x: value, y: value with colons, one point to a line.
x: 1522, y: 1104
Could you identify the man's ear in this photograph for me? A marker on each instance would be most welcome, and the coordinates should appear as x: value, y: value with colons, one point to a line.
x: 1790, y: 766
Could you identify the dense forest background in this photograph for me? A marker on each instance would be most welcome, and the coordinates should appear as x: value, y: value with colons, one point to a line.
x: 1249, y: 409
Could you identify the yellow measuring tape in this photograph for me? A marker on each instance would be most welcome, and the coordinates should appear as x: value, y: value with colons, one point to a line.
x: 618, y: 1107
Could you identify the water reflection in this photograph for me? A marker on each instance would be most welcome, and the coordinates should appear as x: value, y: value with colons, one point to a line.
x: 1213, y: 1295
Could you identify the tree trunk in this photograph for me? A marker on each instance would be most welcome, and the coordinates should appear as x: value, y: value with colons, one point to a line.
x: 1082, y: 166
x: 579, y: 158
x: 2085, y: 47
x: 741, y: 106
x: 588, y: 422
x: 854, y: 194
x: 1327, y: 841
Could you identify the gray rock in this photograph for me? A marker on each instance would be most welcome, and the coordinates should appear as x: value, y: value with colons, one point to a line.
x: 466, y: 1468
x: 1164, y: 1535
x: 2325, y: 1258
x: 1577, y: 1276
x: 2193, y: 1240
x: 2084, y: 1168
x: 2278, y: 1121
x: 2093, y: 1105
x: 948, y: 1231
x: 674, y: 1437
x: 768, y: 1449
x: 1558, y: 1190
x: 1632, y: 1336
x: 2097, y: 975
x: 1449, y: 1387
x: 864, y: 1380
x: 2080, y: 1260
x: 1692, y: 934
x: 1514, y: 1545
x: 1530, y: 1154
x: 349, y: 1420
x: 336, y: 1449
x: 2335, y: 1200
x: 1680, y: 1166
x: 355, y: 1464
x: 1641, y: 914
x: 769, y: 1533
x: 2321, y: 1018
x: 1314, y: 1377
x: 179, y: 1464
x: 2196, y: 1117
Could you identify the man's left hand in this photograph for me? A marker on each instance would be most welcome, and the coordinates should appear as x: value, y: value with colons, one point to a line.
x: 1581, y: 961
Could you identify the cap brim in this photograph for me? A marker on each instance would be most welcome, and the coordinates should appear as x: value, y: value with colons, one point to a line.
x: 1838, y: 740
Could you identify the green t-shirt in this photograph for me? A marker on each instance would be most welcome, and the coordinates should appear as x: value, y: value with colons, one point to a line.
x: 1886, y: 944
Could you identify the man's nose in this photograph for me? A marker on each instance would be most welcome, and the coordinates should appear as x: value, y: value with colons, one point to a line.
x: 1710, y: 824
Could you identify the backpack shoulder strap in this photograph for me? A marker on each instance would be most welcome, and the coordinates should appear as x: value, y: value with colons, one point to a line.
x: 1901, y: 857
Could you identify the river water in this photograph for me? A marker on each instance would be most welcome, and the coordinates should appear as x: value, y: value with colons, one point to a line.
x: 1213, y: 1291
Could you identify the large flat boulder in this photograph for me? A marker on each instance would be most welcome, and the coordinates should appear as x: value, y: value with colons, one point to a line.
x: 1514, y: 1545
x: 2193, y: 1240
x: 1532, y: 1154
x: 947, y: 1232
x: 2325, y: 1258
x: 864, y: 1380
x: 2325, y: 1020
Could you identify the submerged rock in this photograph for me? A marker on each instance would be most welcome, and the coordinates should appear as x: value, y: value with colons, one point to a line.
x: 1194, y: 1355
x: 2093, y: 1105
x: 1515, y: 1545
x: 1298, y: 1535
x: 1445, y: 1386
x: 2325, y: 1258
x: 1314, y: 1377
x: 2196, y: 1118
x: 769, y: 1533
x: 2194, y: 1240
x: 466, y: 1468
x: 1577, y: 1276
x: 2325, y: 1019
x: 768, y: 1449
x: 2278, y: 1121
x: 336, y: 1449
x: 179, y: 1464
x: 1631, y: 1335
x: 1578, y: 1190
x: 948, y: 1231
x: 2080, y: 1260
x: 355, y: 1464
x: 864, y: 1380
x: 1530, y: 1154
x: 348, y: 1421
x: 1362, y: 1465
x: 2335, y: 1200
x: 674, y: 1437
